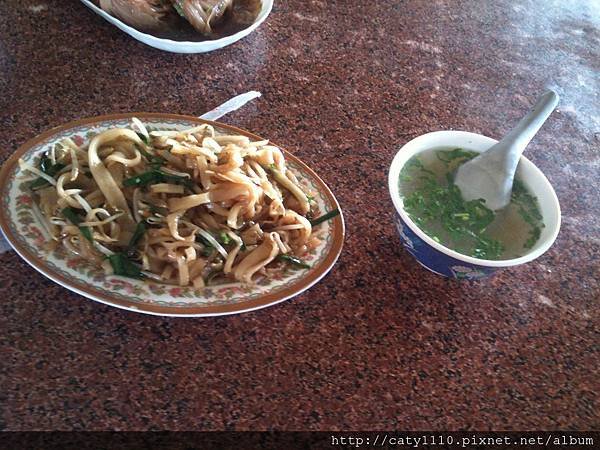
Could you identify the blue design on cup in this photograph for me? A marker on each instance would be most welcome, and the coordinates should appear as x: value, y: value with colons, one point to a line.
x: 436, y: 261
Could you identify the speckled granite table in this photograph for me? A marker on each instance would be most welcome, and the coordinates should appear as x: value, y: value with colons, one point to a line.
x: 380, y: 343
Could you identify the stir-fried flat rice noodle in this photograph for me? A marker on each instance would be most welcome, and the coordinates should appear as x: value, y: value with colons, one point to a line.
x: 192, y: 207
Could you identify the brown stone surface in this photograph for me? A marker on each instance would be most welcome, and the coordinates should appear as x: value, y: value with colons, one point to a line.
x: 380, y: 343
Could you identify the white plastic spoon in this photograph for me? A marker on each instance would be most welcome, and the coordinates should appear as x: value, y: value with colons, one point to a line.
x: 490, y: 175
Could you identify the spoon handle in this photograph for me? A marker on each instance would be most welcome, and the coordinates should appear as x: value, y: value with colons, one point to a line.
x: 526, y: 129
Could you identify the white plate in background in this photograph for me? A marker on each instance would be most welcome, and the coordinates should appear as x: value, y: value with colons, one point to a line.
x: 183, y: 46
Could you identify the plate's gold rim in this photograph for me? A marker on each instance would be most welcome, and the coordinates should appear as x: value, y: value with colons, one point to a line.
x: 338, y: 230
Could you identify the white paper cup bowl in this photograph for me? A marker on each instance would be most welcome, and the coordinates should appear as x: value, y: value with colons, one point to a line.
x: 445, y: 261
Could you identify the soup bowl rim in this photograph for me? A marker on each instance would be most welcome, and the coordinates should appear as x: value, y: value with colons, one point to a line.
x: 479, y: 143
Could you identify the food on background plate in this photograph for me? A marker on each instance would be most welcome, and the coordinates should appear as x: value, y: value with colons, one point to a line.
x: 435, y: 204
x: 185, y: 19
x: 192, y: 207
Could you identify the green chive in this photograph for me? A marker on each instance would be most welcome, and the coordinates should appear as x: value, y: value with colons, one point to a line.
x: 124, y: 267
x: 224, y: 238
x: 294, y: 261
x: 155, y: 176
x: 325, y: 217
x: 143, y: 179
x: 140, y: 229
x: 48, y: 168
x: 72, y: 216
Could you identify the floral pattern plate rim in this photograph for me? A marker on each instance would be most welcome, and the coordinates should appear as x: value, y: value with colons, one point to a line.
x: 25, y: 234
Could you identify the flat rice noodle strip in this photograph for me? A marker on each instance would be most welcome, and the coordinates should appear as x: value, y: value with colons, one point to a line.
x: 264, y: 156
x: 198, y: 282
x: 102, y: 176
x: 259, y: 170
x: 296, y: 226
x: 165, y: 133
x: 173, y: 223
x: 275, y: 156
x: 250, y: 172
x: 230, y: 191
x: 190, y: 254
x: 120, y: 158
x: 184, y: 274
x: 199, y: 129
x: 178, y: 149
x: 233, y: 253
x: 232, y: 217
x: 289, y: 174
x: 294, y: 190
x: 270, y: 190
x: 234, y: 176
x: 259, y: 143
x: 211, y: 144
x: 256, y: 260
x: 166, y: 188
x: 226, y: 139
x: 184, y: 203
x: 204, y: 177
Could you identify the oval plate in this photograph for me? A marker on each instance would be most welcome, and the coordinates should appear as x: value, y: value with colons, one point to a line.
x: 170, y: 45
x: 25, y: 233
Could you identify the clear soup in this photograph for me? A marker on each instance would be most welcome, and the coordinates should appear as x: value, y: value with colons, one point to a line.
x: 434, y: 203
